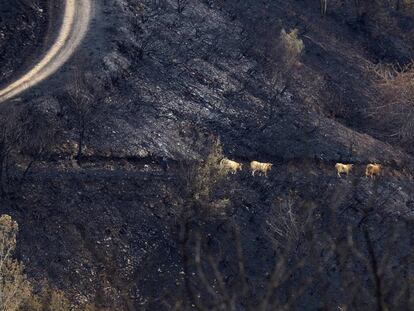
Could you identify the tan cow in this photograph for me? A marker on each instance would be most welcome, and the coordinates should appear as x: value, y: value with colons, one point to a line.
x: 373, y: 170
x: 343, y: 168
x: 230, y: 165
x: 261, y: 167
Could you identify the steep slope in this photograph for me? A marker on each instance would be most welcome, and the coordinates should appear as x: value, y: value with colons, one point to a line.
x: 30, y: 21
x: 170, y: 78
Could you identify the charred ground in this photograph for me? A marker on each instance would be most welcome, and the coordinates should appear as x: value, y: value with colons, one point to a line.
x: 102, y: 221
x: 23, y: 29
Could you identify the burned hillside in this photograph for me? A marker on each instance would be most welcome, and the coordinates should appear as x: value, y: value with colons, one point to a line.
x: 111, y: 166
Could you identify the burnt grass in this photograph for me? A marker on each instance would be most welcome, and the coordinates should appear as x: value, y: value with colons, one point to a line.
x: 23, y: 27
x: 108, y: 231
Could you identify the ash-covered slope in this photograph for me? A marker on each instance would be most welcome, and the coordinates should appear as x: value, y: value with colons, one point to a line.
x: 208, y: 67
x: 167, y: 78
x: 23, y: 25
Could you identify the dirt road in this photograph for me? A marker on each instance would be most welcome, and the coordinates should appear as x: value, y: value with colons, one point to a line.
x: 75, y: 24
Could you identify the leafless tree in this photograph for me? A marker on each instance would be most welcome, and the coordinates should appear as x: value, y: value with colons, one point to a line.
x: 143, y: 26
x: 181, y: 5
x: 87, y: 95
x: 284, y: 58
x: 394, y: 107
x: 10, y: 138
x: 324, y: 6
x: 24, y: 139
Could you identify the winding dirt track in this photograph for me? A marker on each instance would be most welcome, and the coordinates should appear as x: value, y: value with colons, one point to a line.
x: 75, y: 24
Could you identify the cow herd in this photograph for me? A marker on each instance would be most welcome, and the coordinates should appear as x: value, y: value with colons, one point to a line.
x: 255, y: 166
x: 371, y: 170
